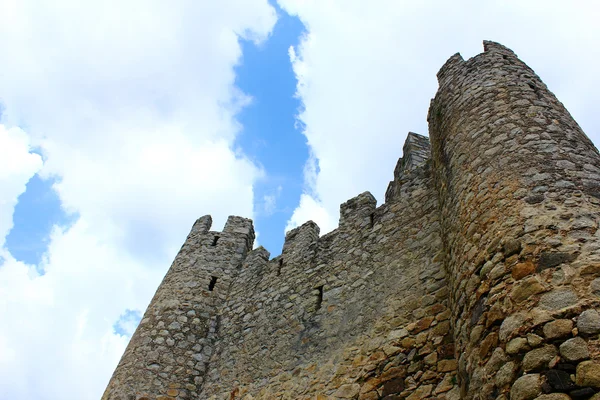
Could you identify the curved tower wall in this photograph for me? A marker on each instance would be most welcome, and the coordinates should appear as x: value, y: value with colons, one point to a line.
x: 168, y: 355
x: 518, y: 184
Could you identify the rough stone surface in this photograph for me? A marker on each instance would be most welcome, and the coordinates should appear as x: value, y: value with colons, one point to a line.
x: 465, y: 278
x: 559, y: 298
x: 506, y: 374
x: 527, y: 387
x: 582, y: 393
x: 588, y: 322
x: 553, y: 396
x: 558, y: 329
x: 588, y: 374
x: 575, y: 349
x: 559, y: 380
x: 517, y: 345
x: 539, y: 358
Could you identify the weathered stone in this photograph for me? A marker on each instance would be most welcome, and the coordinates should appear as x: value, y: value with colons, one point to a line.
x: 517, y: 345
x: 566, y: 366
x: 553, y: 396
x: 393, y: 386
x: 582, y: 393
x: 421, y: 325
x: 398, y: 334
x: 534, y: 340
x: 445, y: 385
x: 559, y: 380
x: 489, y: 342
x: 347, y: 391
x: 453, y: 394
x: 510, y: 326
x: 477, y: 311
x: 590, y: 269
x: 588, y: 322
x: 539, y: 358
x: 540, y: 316
x: 534, y: 198
x: 558, y: 298
x: 446, y: 365
x: 441, y: 329
x: 526, y: 288
x: 511, y: 247
x: 595, y: 286
x: 421, y: 392
x: 431, y: 359
x: 521, y: 270
x: 588, y: 374
x: 527, y: 387
x: 553, y: 259
x: 506, y: 374
x: 575, y: 349
x: 558, y: 329
x: 494, y: 315
x: 497, y: 359
x: 446, y: 350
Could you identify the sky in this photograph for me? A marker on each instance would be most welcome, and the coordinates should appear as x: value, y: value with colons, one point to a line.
x: 122, y: 122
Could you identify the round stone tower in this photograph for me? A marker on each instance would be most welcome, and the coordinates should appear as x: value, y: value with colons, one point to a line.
x: 518, y: 185
x: 169, y: 352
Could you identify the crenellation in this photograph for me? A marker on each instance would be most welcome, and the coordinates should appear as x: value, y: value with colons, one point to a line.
x: 357, y: 213
x: 202, y: 225
x: 450, y: 67
x: 241, y: 227
x: 415, y: 152
x: 300, y: 246
x: 478, y: 277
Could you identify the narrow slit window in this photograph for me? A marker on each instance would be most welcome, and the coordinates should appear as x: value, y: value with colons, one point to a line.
x: 213, y: 282
x: 215, y: 240
x: 279, y: 266
x: 372, y: 216
x: 319, y: 298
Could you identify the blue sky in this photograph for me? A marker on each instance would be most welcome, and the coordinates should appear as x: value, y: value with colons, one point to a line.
x: 270, y: 135
x: 115, y: 135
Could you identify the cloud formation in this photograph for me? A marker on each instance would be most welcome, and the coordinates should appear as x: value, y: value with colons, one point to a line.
x: 367, y: 71
x: 133, y: 107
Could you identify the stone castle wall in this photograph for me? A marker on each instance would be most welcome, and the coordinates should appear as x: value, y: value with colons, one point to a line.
x: 479, y: 277
x: 339, y: 315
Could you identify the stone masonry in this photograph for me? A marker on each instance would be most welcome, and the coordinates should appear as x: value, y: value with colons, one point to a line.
x: 478, y: 278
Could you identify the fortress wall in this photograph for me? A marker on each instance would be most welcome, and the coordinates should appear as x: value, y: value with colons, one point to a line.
x: 168, y: 354
x: 358, y: 313
x: 518, y: 187
x: 478, y: 278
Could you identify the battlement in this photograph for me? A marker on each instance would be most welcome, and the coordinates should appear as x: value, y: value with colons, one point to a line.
x: 477, y: 277
x: 415, y: 152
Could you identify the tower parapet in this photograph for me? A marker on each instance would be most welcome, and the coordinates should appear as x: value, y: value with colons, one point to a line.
x: 168, y: 353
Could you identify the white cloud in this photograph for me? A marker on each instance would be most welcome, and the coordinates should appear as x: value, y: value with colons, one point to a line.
x: 367, y: 71
x: 311, y: 209
x: 270, y: 201
x: 133, y: 105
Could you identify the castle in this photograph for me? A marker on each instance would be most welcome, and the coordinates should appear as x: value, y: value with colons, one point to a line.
x: 478, y: 278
